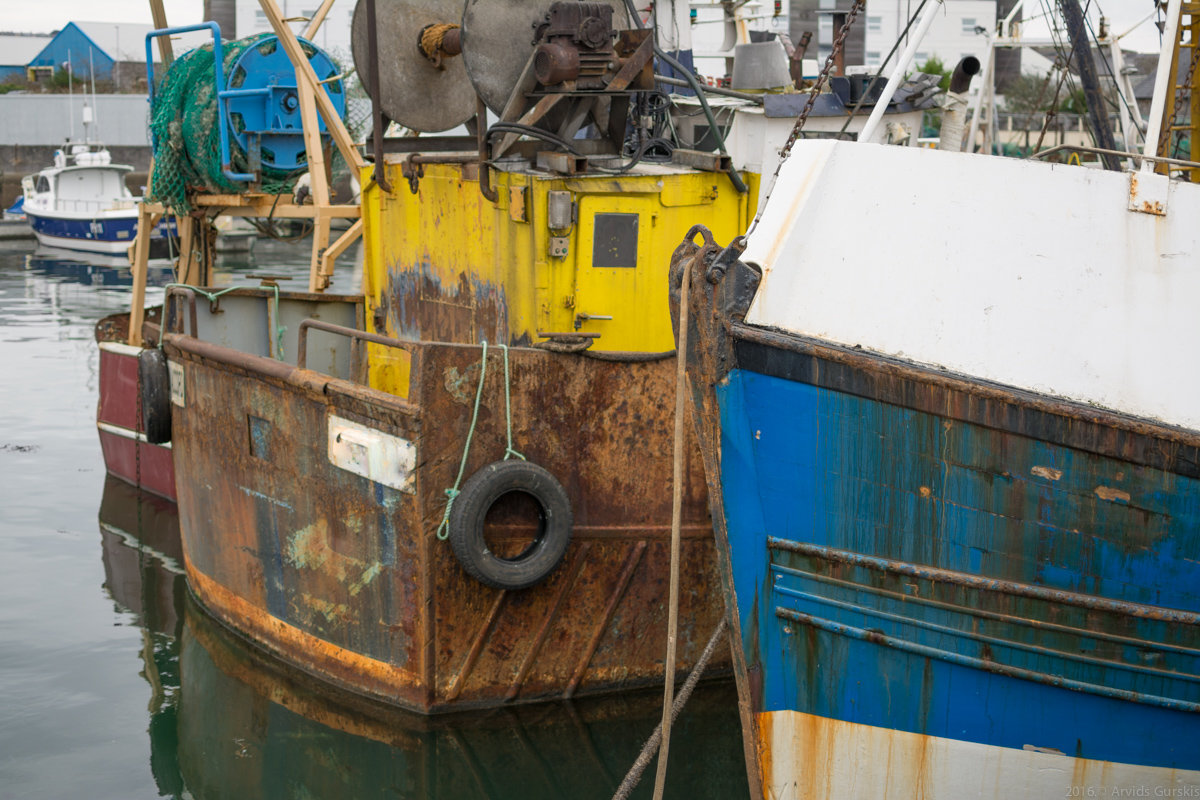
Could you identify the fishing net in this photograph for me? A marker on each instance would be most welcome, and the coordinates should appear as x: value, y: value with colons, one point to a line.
x: 187, y: 143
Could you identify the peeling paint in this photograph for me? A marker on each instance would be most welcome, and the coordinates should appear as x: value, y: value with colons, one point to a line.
x: 369, y: 574
x: 1046, y: 472
x: 1109, y: 493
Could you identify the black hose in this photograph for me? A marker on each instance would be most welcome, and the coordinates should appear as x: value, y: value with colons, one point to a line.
x: 734, y: 177
x: 529, y: 130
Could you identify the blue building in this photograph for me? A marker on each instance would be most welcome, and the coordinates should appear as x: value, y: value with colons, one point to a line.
x: 99, y: 47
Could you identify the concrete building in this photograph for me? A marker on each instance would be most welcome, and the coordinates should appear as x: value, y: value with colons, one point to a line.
x: 958, y: 30
x: 16, y: 51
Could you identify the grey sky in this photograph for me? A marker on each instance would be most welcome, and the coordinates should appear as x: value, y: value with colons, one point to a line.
x: 46, y: 15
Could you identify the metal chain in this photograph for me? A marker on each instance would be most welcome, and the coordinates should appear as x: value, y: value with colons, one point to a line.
x: 838, y: 44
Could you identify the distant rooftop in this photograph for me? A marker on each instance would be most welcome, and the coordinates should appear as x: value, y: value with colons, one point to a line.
x: 18, y: 49
x: 121, y: 41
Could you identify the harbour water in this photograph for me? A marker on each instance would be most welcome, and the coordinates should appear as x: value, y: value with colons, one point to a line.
x: 112, y: 682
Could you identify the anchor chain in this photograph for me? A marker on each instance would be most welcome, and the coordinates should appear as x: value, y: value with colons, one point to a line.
x: 838, y: 44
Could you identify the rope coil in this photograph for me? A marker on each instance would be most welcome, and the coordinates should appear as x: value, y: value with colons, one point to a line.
x: 431, y: 41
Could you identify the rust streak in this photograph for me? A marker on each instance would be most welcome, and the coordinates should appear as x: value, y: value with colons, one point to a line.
x: 476, y: 647
x: 631, y: 562
x: 551, y: 615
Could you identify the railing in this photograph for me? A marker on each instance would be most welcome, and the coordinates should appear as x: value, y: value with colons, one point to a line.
x: 93, y: 205
x: 355, y: 336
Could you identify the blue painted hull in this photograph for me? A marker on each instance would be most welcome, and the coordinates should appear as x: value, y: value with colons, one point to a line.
x: 107, y: 234
x: 915, y: 572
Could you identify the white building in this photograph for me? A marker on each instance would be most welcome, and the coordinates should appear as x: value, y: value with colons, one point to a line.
x: 958, y: 30
x: 333, y: 37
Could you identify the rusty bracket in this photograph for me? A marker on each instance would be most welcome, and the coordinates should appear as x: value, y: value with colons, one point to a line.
x: 706, y: 162
x: 377, y: 117
x: 412, y: 170
x: 181, y: 292
x: 562, y: 163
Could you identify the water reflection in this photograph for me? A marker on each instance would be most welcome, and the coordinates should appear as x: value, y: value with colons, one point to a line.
x: 226, y: 721
x: 96, y: 270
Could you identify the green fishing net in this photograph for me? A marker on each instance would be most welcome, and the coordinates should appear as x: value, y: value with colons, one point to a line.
x: 187, y: 143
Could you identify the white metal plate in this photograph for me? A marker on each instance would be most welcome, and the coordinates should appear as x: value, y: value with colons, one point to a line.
x: 175, y: 376
x: 373, y: 454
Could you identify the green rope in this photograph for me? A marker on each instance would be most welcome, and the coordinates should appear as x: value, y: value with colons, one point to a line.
x: 443, y: 530
x: 508, y: 450
x: 212, y: 298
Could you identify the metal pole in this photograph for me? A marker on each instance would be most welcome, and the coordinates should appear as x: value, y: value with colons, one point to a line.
x: 1164, y: 82
x: 897, y: 76
x: 1082, y: 53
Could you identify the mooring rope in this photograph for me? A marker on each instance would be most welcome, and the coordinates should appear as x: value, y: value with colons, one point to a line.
x: 685, y: 692
x: 443, y: 530
x: 660, y: 777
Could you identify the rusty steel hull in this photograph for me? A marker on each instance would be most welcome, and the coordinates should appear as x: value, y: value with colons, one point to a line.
x: 940, y: 586
x: 344, y: 577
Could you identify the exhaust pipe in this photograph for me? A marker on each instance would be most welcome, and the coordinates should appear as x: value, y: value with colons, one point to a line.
x: 954, y: 110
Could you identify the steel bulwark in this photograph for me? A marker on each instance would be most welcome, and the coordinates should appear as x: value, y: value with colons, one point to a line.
x: 344, y: 577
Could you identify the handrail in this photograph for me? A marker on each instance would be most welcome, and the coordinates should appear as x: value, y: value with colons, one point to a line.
x: 354, y: 335
x: 218, y: 81
x: 1102, y: 151
x: 190, y: 295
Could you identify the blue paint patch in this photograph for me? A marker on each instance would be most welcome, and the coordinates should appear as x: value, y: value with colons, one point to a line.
x: 386, y: 497
x: 270, y: 553
x: 824, y: 467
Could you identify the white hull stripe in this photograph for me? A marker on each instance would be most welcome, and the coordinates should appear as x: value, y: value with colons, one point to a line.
x: 126, y: 433
x: 811, y: 757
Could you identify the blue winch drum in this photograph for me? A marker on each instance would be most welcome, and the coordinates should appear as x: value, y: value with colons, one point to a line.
x: 262, y: 103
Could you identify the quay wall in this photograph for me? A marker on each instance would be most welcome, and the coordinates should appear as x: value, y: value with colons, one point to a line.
x: 33, y: 126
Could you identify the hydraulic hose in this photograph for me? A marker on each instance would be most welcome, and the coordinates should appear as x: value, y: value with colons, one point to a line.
x: 670, y: 61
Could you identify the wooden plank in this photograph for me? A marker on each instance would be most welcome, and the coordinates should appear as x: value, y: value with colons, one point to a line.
x: 141, y: 256
x: 159, y: 15
x: 314, y: 24
x: 318, y: 183
x: 340, y: 246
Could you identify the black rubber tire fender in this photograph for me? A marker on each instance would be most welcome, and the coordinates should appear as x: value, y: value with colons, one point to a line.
x: 475, y: 499
x: 155, y: 383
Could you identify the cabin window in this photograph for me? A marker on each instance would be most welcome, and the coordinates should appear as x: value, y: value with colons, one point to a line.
x: 873, y: 57
x: 43, y: 185
x: 968, y: 25
x: 875, y: 24
x: 615, y: 240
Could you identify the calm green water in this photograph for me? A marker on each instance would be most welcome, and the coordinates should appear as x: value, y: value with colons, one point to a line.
x: 112, y: 685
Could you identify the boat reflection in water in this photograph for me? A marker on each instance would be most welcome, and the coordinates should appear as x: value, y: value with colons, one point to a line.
x: 143, y: 573
x: 228, y: 721
x: 96, y: 270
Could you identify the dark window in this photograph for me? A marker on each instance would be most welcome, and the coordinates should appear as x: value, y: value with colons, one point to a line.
x: 615, y: 241
x: 43, y: 185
